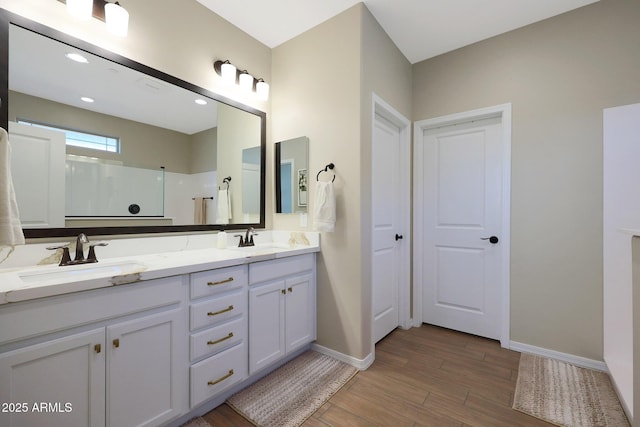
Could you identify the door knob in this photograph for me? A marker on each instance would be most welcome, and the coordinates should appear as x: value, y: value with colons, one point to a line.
x: 492, y: 239
x: 398, y: 237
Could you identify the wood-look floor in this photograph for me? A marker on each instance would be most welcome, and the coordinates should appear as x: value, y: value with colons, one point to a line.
x: 425, y: 376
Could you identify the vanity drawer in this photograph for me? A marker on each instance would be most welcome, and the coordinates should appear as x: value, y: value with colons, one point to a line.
x: 273, y: 269
x: 217, y: 373
x: 215, y: 281
x: 218, y: 338
x: 217, y: 310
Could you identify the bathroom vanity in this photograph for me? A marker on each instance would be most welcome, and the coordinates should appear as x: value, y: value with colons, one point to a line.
x: 170, y: 336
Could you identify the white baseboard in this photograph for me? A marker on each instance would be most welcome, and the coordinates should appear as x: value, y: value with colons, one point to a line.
x: 361, y: 364
x: 563, y: 357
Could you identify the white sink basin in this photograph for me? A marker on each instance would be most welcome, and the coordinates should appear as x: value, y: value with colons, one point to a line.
x: 82, y: 271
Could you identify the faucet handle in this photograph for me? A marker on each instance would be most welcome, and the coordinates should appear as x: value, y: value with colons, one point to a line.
x: 66, y: 258
x: 91, y: 257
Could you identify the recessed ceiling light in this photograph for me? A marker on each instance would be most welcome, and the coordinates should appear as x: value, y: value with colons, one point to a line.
x: 87, y: 99
x: 201, y: 102
x: 77, y: 57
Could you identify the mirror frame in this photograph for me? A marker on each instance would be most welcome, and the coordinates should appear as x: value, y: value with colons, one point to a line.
x: 8, y: 18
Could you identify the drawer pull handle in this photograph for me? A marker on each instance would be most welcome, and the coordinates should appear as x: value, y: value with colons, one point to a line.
x: 218, y: 341
x: 116, y: 342
x: 222, y: 378
x: 97, y: 348
x: 220, y: 282
x: 215, y: 313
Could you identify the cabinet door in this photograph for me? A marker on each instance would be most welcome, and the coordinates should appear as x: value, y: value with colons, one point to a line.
x: 300, y: 315
x: 266, y: 324
x: 145, y: 381
x: 56, y: 383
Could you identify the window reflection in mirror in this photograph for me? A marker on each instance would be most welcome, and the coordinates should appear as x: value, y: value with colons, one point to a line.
x: 292, y: 180
x: 175, y: 145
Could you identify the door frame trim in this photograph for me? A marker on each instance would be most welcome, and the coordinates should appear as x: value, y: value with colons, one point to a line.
x: 504, y: 112
x: 382, y: 108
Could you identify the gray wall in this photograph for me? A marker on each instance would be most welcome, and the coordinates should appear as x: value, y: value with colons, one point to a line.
x: 559, y: 74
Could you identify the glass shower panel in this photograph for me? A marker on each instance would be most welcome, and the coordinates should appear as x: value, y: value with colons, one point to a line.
x: 102, y: 188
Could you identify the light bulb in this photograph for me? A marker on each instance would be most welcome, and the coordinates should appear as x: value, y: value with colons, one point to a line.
x: 117, y: 19
x: 262, y: 89
x: 246, y: 81
x: 228, y: 72
x: 81, y: 9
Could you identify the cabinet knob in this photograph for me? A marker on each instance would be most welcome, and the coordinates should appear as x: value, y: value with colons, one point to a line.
x: 97, y: 348
x: 284, y: 291
x: 116, y: 342
x: 290, y: 289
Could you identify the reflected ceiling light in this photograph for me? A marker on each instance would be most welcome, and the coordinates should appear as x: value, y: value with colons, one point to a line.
x: 81, y: 9
x: 246, y: 81
x: 87, y: 99
x: 77, y: 57
x: 117, y: 19
x: 200, y: 102
x: 115, y: 16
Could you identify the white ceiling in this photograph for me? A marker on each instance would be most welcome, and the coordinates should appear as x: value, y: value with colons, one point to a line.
x: 420, y: 28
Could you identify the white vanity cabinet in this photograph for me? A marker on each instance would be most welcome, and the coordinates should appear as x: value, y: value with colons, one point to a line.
x: 282, y: 308
x: 218, y: 324
x: 109, y: 357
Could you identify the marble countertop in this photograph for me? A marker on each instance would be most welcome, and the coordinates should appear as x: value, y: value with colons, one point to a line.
x: 26, y: 283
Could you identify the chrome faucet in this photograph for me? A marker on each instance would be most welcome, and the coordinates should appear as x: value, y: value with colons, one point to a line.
x: 81, y: 240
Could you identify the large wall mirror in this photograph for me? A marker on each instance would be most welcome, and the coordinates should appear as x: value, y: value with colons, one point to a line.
x: 144, y: 152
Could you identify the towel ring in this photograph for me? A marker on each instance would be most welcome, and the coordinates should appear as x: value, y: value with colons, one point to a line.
x: 326, y: 169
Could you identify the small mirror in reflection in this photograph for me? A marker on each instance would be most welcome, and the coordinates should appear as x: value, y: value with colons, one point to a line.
x: 292, y: 158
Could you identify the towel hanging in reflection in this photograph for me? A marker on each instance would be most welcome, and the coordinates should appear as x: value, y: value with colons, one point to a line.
x: 10, y: 228
x: 223, y: 214
x: 324, y: 207
x: 199, y: 211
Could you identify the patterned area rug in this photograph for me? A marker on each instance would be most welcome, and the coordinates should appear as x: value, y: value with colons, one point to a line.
x: 292, y: 393
x: 566, y: 395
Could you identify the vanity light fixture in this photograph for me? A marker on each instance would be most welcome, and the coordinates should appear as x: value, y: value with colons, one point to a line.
x: 231, y: 75
x: 115, y: 16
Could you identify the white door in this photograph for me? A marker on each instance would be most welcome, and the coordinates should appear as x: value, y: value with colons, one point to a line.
x: 38, y: 171
x: 462, y: 226
x: 390, y: 206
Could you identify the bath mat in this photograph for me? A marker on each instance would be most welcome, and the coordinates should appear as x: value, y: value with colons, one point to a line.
x: 566, y: 395
x: 292, y: 393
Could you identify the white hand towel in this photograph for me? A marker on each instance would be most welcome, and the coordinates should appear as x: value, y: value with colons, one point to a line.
x: 10, y: 227
x: 223, y: 214
x: 324, y: 207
